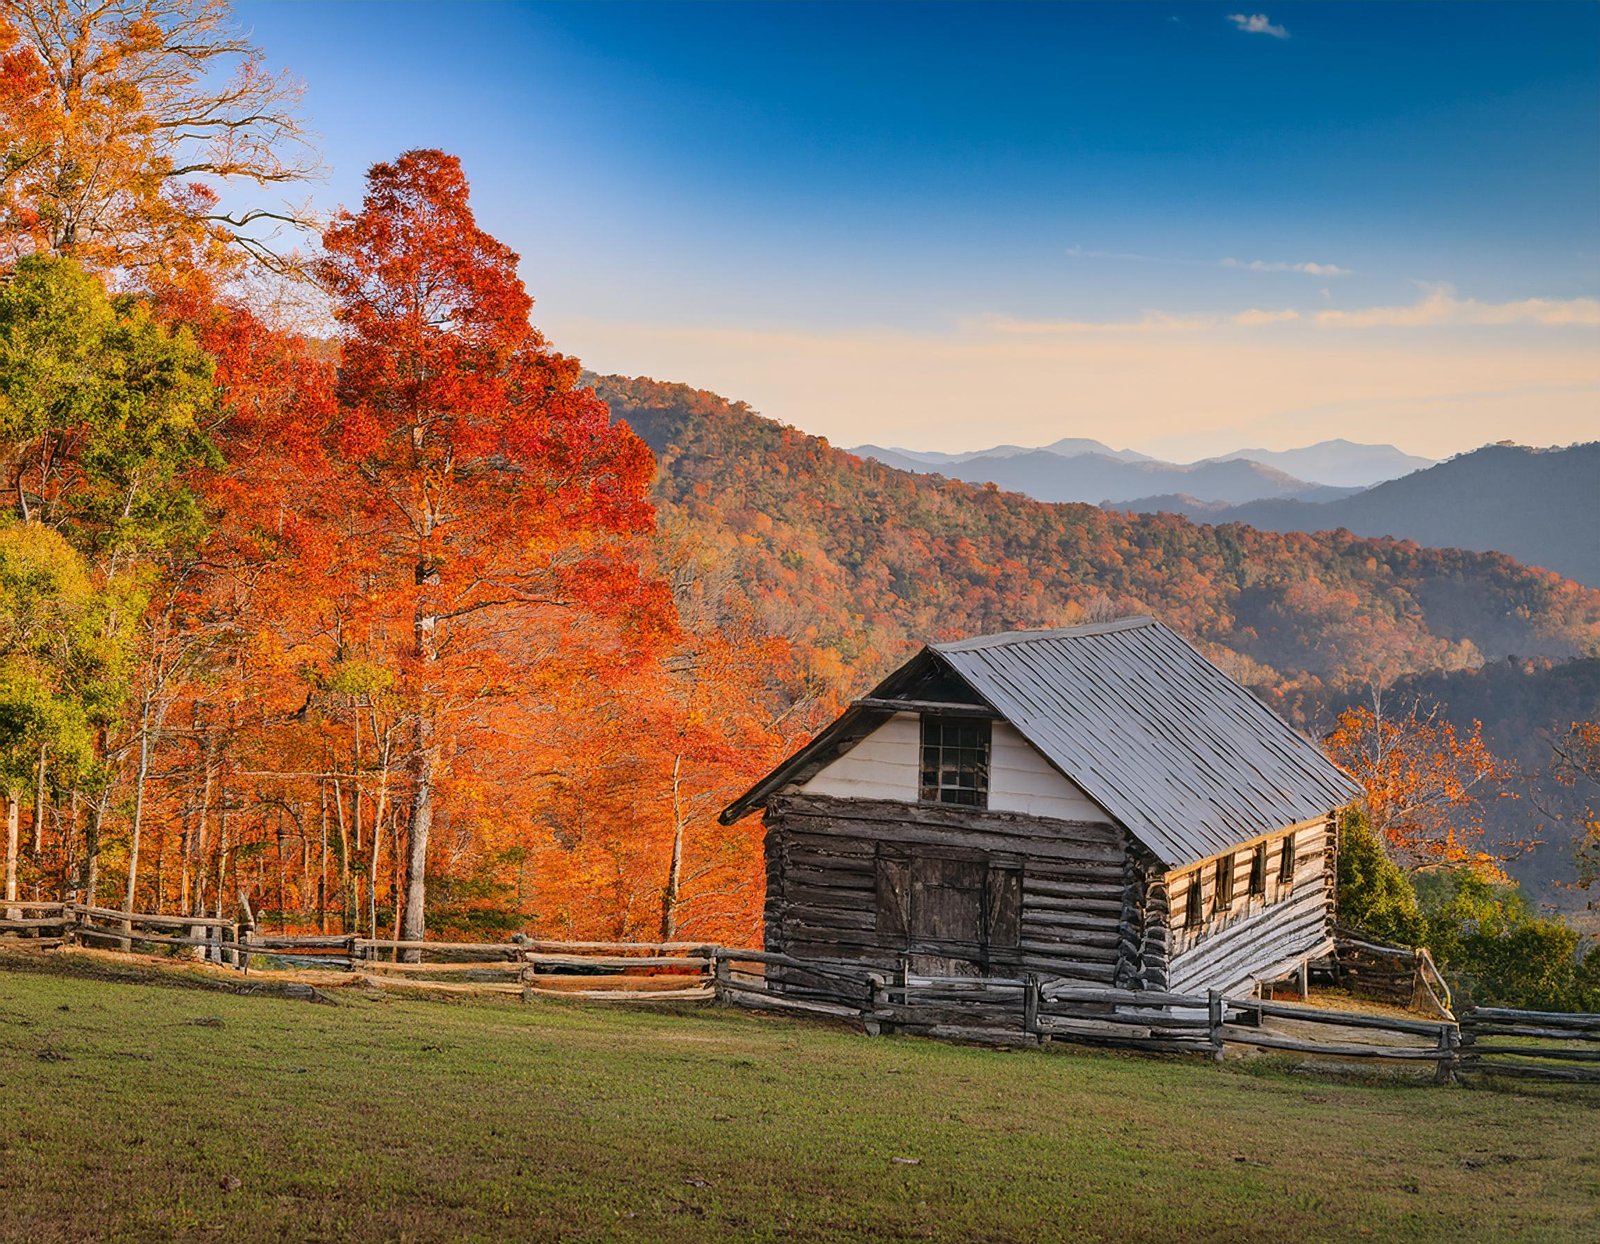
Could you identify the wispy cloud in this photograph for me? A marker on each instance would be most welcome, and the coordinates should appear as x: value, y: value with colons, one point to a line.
x: 1244, y: 265
x: 1257, y: 24
x: 1149, y: 322
x: 1441, y: 307
x: 1262, y: 265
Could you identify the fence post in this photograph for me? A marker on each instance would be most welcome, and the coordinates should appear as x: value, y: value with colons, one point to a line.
x: 1449, y: 1039
x: 1030, y: 1005
x: 869, y: 1004
x: 1214, y: 1016
x: 720, y: 970
x: 246, y: 930
x: 882, y: 1001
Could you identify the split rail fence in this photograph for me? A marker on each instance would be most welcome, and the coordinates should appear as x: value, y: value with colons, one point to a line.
x: 1031, y: 1010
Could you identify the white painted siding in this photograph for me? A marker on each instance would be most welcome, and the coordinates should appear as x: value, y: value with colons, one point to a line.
x: 884, y: 765
x: 887, y: 764
x: 1021, y: 780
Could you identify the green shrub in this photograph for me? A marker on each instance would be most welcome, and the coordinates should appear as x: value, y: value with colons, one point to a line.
x: 1375, y: 897
x: 1497, y: 951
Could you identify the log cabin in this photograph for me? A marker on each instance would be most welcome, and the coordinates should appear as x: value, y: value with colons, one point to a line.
x: 1098, y: 803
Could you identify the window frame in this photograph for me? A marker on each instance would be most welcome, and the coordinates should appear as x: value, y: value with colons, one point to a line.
x: 1194, y: 909
x: 1222, y: 880
x: 1286, y: 860
x: 981, y: 747
x: 1258, y: 871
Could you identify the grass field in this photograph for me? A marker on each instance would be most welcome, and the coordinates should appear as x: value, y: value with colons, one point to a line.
x: 139, y: 1112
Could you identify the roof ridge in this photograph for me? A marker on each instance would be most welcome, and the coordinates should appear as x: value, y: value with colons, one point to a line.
x: 1060, y: 632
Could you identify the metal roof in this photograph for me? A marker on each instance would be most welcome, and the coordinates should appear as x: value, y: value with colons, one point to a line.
x: 1188, y: 761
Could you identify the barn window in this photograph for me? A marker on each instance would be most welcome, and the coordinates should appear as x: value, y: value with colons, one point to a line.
x: 1286, y: 861
x: 1194, y: 913
x: 1258, y: 871
x: 955, y: 761
x: 1224, y: 881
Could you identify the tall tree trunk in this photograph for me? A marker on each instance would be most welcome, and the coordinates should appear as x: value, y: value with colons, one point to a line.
x: 418, y: 826
x: 91, y: 847
x: 424, y: 760
x: 13, y: 827
x: 669, y: 892
x: 38, y: 805
x: 138, y: 820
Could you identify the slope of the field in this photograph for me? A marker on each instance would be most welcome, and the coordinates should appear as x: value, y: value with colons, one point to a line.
x: 869, y: 560
x: 133, y: 1113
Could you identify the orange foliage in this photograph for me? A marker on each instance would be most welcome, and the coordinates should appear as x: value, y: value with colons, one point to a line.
x: 1424, y: 782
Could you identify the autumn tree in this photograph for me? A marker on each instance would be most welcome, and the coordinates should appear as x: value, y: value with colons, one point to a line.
x: 497, y: 496
x: 103, y: 409
x: 1425, y: 782
x: 123, y: 123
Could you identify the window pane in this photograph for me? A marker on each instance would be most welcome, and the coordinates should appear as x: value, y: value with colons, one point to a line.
x: 955, y: 761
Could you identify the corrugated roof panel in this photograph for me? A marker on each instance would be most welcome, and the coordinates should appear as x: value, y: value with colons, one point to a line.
x: 1189, y: 761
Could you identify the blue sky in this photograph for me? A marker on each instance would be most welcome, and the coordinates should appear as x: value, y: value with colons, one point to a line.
x: 1181, y: 226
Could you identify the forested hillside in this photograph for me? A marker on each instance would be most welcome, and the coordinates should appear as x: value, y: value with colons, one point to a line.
x: 1541, y: 506
x: 868, y: 560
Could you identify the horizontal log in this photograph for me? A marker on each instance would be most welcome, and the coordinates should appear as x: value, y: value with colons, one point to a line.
x: 979, y: 1034
x: 620, y: 962
x: 622, y: 995
x: 822, y: 967
x: 448, y: 969
x: 157, y: 939
x: 170, y: 922
x: 1035, y: 837
x: 1525, y: 1051
x: 535, y: 945
x: 1068, y: 950
x: 1550, y: 1019
x: 1068, y: 992
x: 760, y: 1000
x: 1532, y: 1071
x: 798, y: 896
x: 1503, y: 1029
x: 1273, y: 1041
x: 865, y: 881
x: 1343, y: 942
x: 1347, y: 1019
x: 286, y: 942
x: 1153, y: 1045
x: 43, y: 922
x: 1093, y: 917
x: 925, y: 1014
x: 28, y: 904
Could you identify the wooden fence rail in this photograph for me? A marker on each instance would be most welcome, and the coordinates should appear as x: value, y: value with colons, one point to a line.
x: 1531, y: 1045
x: 1488, y: 1041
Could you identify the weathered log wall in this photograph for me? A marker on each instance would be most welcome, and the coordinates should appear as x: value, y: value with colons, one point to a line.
x: 1254, y: 937
x: 1080, y: 914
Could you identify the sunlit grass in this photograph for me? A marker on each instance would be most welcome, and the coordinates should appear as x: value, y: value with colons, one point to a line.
x: 135, y: 1112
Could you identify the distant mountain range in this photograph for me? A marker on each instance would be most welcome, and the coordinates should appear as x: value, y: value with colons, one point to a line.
x: 1079, y: 469
x: 1541, y: 506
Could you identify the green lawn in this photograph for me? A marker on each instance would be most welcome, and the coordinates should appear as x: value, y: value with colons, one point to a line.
x: 133, y: 1111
